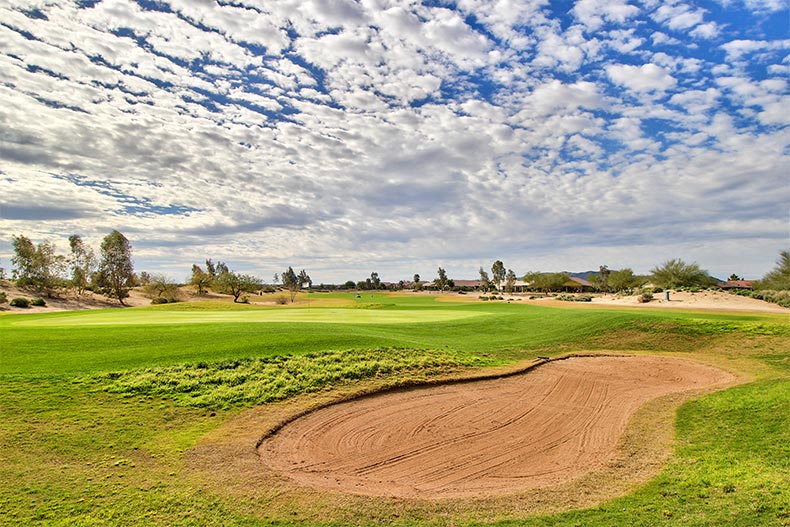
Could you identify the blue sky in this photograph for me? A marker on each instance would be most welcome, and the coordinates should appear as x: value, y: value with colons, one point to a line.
x: 346, y: 136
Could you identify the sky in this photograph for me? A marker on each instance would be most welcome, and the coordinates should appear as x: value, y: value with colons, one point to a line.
x: 352, y: 136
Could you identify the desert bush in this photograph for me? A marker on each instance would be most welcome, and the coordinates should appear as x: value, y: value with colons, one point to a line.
x: 281, y: 299
x: 38, y: 302
x: 574, y: 298
x: 3, y: 297
x: 483, y: 298
x: 159, y: 300
x: 645, y: 298
x: 244, y: 300
x: 20, y: 302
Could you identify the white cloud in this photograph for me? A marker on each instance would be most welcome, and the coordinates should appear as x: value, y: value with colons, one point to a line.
x: 644, y: 79
x: 594, y: 13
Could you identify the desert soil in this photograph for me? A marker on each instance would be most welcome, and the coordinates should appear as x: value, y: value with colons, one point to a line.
x: 541, y: 428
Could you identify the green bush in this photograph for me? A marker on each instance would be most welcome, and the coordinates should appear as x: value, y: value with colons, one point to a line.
x: 3, y: 297
x: 159, y: 300
x: 38, y: 302
x: 20, y: 302
x: 244, y: 300
x: 645, y: 298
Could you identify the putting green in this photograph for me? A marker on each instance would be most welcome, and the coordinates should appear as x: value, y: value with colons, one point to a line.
x: 324, y: 315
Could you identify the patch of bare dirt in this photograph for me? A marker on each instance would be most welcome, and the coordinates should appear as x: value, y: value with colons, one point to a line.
x: 65, y: 301
x: 539, y: 429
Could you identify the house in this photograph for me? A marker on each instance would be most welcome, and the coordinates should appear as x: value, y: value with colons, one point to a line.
x: 737, y: 284
x: 578, y: 284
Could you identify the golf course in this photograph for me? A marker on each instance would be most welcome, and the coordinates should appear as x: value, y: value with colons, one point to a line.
x: 494, y: 413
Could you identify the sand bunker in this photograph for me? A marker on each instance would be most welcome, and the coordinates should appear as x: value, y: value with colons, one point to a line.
x: 544, y: 427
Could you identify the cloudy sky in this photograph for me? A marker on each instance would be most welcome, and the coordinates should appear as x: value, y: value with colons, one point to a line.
x: 350, y: 136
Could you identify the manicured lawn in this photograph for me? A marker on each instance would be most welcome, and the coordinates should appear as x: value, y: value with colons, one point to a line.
x: 99, y: 408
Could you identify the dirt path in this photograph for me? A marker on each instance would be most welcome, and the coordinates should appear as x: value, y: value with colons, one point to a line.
x: 541, y: 428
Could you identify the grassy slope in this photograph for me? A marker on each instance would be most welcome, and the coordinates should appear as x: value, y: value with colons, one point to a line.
x: 71, y: 455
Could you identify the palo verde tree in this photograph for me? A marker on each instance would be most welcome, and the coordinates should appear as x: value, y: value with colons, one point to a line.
x: 624, y: 279
x: 37, y: 266
x: 677, y: 273
x: 546, y: 282
x: 498, y: 273
x: 162, y: 287
x: 235, y: 284
x: 200, y: 280
x: 82, y: 262
x: 116, y: 272
x: 779, y: 278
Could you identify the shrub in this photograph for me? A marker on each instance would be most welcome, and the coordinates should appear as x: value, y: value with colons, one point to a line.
x: 281, y: 299
x: 244, y: 300
x: 20, y: 302
x: 645, y: 298
x: 483, y: 298
x: 38, y: 302
x: 159, y: 300
x: 3, y: 297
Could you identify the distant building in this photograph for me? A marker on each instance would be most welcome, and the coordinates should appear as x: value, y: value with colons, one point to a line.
x: 579, y: 284
x: 737, y: 284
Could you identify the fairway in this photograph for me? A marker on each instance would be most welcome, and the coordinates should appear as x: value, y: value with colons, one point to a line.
x: 321, y: 315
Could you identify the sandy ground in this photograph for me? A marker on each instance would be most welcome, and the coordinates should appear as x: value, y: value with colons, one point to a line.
x: 704, y: 300
x: 545, y: 427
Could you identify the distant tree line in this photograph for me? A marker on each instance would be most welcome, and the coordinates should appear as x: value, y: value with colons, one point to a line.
x: 40, y: 268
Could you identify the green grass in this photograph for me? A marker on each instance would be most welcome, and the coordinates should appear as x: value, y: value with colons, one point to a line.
x: 100, y: 408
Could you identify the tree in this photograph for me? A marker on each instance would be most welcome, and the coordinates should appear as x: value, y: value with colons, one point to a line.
x: 349, y: 284
x: 82, y: 262
x: 291, y: 282
x: 734, y: 278
x: 417, y: 285
x: 546, y: 282
x: 37, y: 267
x: 375, y: 281
x: 603, y: 278
x: 304, y: 279
x: 624, y: 279
x: 200, y: 280
x: 779, y: 278
x: 215, y: 269
x: 510, y: 281
x: 231, y: 283
x: 441, y: 280
x: 498, y: 273
x: 161, y: 286
x: 485, y: 282
x: 116, y: 272
x: 677, y: 273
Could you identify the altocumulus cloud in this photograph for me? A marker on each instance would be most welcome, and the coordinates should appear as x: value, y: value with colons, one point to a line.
x: 347, y: 136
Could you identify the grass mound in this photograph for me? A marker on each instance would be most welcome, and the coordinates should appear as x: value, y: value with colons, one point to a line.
x: 252, y: 381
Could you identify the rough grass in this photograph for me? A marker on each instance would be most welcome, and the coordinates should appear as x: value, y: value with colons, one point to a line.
x: 253, y: 381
